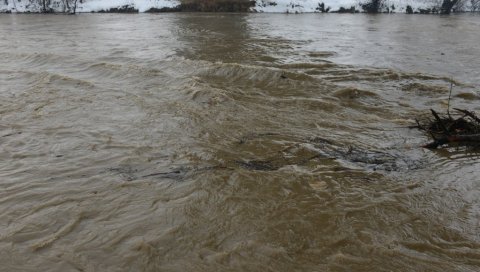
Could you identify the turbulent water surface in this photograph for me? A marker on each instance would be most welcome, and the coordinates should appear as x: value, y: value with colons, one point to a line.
x: 247, y: 142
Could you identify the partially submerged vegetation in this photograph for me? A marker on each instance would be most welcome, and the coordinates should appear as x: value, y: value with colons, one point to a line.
x: 122, y: 9
x: 208, y: 6
x: 216, y: 5
x: 464, y: 129
x: 373, y: 6
x: 445, y: 129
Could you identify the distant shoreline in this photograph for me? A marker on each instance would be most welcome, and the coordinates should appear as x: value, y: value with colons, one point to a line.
x: 174, y: 10
x: 244, y: 6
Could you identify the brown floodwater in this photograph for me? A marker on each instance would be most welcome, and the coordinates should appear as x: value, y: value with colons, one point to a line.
x: 235, y: 142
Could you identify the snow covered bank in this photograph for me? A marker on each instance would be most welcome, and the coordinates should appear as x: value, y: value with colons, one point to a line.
x: 399, y: 6
x: 280, y: 6
x: 140, y: 5
x: 85, y: 5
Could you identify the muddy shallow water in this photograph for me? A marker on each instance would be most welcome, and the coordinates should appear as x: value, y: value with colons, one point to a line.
x: 235, y: 142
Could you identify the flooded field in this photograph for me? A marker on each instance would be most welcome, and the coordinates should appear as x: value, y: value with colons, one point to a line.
x: 235, y: 142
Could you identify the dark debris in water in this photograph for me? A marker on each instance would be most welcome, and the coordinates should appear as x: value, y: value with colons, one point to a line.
x: 180, y: 173
x: 169, y: 174
x: 258, y: 165
x: 130, y: 173
x: 11, y: 134
x: 252, y: 136
x: 325, y: 149
x: 446, y: 130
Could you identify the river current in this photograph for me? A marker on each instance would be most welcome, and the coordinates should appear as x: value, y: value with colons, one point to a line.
x: 235, y: 142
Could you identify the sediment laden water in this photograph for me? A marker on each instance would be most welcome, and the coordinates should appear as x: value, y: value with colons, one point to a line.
x: 215, y: 142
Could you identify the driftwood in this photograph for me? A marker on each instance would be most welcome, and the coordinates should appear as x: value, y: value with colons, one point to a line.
x: 475, y: 138
x: 445, y: 130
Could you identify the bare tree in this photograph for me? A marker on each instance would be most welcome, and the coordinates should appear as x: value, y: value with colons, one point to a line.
x: 66, y: 6
x: 70, y: 6
x: 460, y: 6
x: 447, y: 6
x: 475, y: 5
x: 74, y: 6
x: 46, y: 8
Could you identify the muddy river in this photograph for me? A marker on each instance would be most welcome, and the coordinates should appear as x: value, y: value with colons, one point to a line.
x: 235, y: 142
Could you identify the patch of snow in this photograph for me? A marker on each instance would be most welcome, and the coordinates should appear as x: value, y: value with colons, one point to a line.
x: 86, y: 5
x: 300, y: 6
x: 140, y: 5
x: 15, y: 6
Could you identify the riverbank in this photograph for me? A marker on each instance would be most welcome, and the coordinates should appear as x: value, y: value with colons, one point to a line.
x: 268, y: 6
